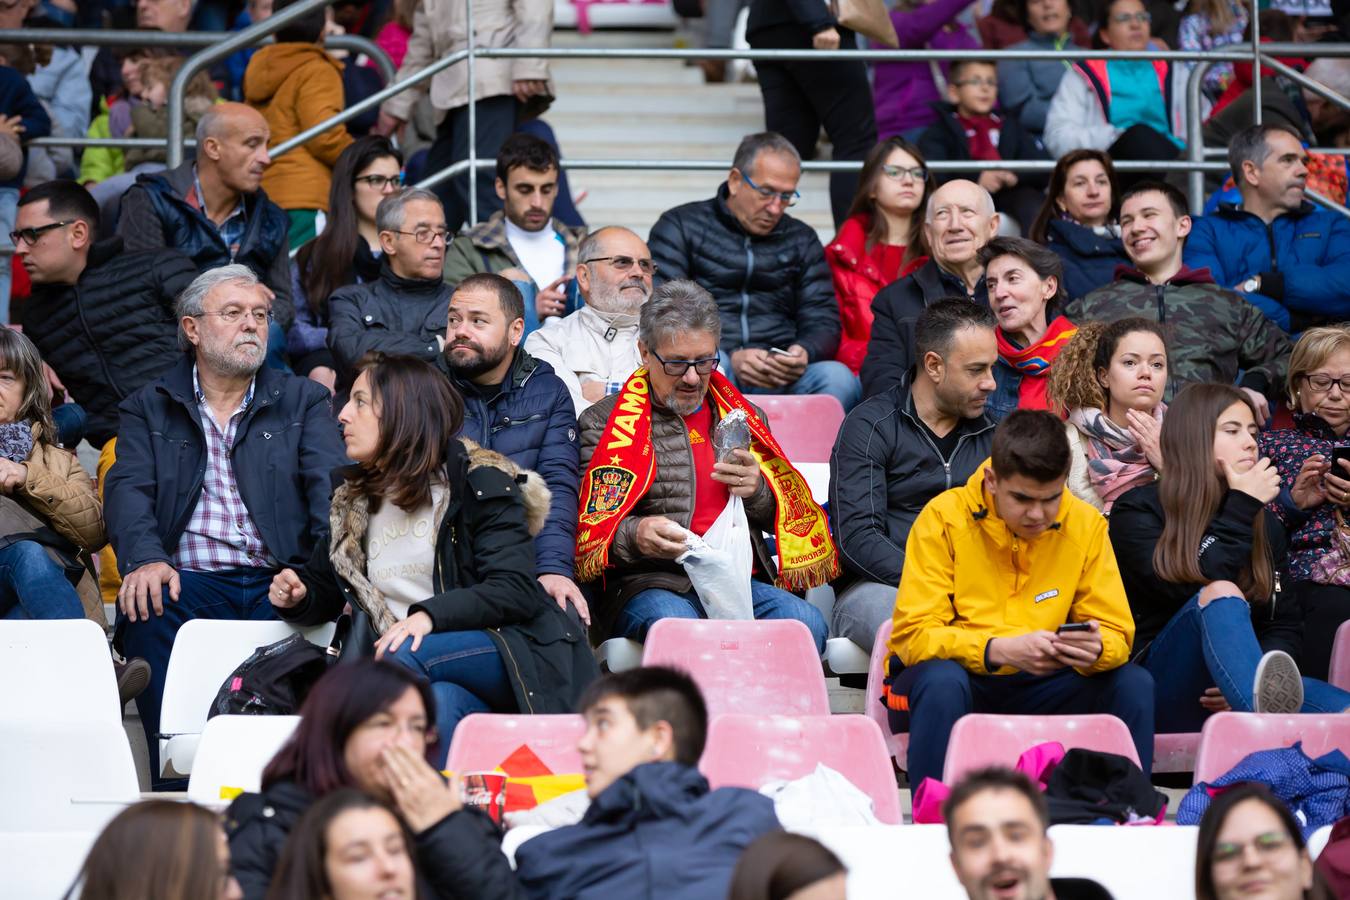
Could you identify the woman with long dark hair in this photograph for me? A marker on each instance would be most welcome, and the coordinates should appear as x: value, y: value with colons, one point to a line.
x: 1248, y: 836
x: 1201, y: 559
x: 785, y: 866
x: 347, y: 252
x: 1078, y: 220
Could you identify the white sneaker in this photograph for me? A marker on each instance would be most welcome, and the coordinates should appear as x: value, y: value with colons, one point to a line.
x: 1278, y: 687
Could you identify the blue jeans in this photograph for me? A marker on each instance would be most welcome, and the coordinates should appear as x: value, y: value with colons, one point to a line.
x: 770, y: 602
x: 824, y: 377
x: 941, y: 691
x: 35, y: 586
x: 1215, y: 646
x: 70, y: 420
x: 233, y: 594
x: 467, y: 675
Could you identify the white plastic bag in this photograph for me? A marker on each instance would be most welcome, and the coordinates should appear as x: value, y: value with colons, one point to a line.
x: 720, y: 562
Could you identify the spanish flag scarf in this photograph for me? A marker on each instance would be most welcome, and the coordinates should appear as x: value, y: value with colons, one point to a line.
x: 623, y: 468
x: 1033, y: 363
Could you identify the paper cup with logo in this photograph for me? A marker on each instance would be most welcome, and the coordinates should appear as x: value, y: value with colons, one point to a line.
x: 485, y: 791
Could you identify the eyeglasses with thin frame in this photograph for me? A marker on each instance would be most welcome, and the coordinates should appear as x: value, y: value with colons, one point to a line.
x: 381, y: 183
x: 624, y: 263
x: 234, y: 315
x: 676, y: 368
x: 1143, y: 18
x: 787, y: 198
x: 1322, y: 382
x: 977, y: 82
x: 1268, y: 844
x: 426, y: 235
x: 898, y: 173
x: 30, y: 235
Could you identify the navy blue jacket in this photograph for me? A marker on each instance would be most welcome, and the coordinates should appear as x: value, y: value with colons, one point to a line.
x: 1303, y: 258
x: 656, y: 832
x: 17, y: 99
x: 284, y: 453
x: 1089, y: 259
x: 532, y: 421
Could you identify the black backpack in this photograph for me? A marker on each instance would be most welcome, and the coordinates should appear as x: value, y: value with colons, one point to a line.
x: 273, y: 681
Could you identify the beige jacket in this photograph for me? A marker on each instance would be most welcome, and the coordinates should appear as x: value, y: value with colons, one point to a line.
x: 440, y: 27
x: 577, y: 348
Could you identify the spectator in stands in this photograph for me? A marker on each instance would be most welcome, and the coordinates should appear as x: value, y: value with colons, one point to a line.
x: 296, y: 85
x: 594, y: 349
x: 105, y: 75
x: 881, y: 240
x: 403, y: 311
x: 801, y: 96
x: 214, y: 208
x: 523, y: 236
x: 997, y: 824
x: 1215, y: 333
x: 1026, y: 86
x: 60, y: 81
x: 516, y: 405
x: 1078, y: 221
x: 462, y: 609
x: 1201, y: 559
x: 968, y: 129
x: 1318, y: 392
x: 179, y: 849
x: 1290, y: 258
x: 767, y: 272
x: 221, y: 478
x: 24, y: 119
x: 784, y: 866
x: 1248, y: 836
x: 632, y: 531
x: 901, y: 448
x: 1132, y: 109
x: 958, y: 220
x: 1023, y: 279
x: 904, y: 92
x: 347, y: 252
x: 1110, y: 381
x: 1213, y: 25
x: 1010, y: 21
x: 504, y: 89
x: 968, y: 636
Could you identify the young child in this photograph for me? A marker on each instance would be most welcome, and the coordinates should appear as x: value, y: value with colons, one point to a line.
x: 968, y: 128
x: 150, y: 117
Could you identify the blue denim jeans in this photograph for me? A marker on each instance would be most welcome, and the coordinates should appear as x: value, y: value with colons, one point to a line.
x: 824, y: 377
x: 70, y: 420
x: 1215, y: 646
x: 467, y: 675
x: 769, y: 603
x: 35, y: 586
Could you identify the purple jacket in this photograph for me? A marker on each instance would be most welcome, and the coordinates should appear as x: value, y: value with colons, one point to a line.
x: 904, y: 91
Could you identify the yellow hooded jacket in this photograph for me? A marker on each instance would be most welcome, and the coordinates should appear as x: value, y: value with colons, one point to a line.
x: 968, y: 578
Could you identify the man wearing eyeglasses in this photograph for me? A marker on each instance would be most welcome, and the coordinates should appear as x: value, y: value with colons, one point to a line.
x: 403, y: 311
x: 221, y: 478
x: 767, y: 272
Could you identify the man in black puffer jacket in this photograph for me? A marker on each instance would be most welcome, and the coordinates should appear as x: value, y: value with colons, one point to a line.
x: 767, y: 272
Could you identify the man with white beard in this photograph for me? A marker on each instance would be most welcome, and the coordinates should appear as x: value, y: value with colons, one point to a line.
x: 222, y: 478
x: 594, y: 349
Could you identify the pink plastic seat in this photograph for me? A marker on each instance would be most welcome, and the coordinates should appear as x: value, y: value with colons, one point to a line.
x: 749, y: 751
x: 763, y: 667
x: 805, y: 425
x: 1339, y: 676
x: 980, y: 740
x: 896, y: 744
x: 1175, y: 752
x: 483, y: 740
x: 1229, y: 736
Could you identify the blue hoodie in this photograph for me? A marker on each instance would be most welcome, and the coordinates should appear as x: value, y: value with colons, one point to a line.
x: 17, y: 99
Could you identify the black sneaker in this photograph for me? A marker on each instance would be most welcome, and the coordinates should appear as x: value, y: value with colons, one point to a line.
x: 1278, y: 686
x: 133, y: 676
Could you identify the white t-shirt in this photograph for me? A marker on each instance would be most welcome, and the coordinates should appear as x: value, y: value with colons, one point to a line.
x: 542, y: 252
x: 401, y: 552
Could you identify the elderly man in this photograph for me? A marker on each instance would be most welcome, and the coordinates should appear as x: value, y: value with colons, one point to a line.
x: 215, y: 210
x: 221, y: 479
x: 767, y: 272
x: 594, y: 349
x: 960, y: 219
x: 653, y: 480
x: 403, y: 311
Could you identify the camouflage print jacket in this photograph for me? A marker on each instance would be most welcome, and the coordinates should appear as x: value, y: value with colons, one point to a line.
x: 1212, y: 333
x: 485, y: 248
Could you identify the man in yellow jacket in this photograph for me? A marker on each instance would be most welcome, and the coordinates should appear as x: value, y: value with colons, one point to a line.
x: 1011, y: 602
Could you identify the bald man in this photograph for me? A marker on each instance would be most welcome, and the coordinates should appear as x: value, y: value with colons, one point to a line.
x: 214, y: 208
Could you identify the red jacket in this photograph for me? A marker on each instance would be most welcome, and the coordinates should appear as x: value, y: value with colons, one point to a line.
x: 857, y: 278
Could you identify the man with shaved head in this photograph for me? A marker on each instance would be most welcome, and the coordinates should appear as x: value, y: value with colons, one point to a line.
x: 214, y: 208
x: 960, y: 219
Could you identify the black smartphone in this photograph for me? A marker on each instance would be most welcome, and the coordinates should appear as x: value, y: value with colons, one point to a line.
x: 1069, y: 627
x: 1337, y: 455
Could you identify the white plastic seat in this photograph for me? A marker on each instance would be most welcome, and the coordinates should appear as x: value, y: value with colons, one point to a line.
x: 64, y: 776
x: 232, y: 753
x: 56, y: 670
x: 42, y: 865
x: 845, y: 657
x: 619, y: 654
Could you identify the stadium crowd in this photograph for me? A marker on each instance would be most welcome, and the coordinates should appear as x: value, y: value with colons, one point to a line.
x: 1094, y: 456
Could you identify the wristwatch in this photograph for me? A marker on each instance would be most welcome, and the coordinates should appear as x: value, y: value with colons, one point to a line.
x: 1252, y: 285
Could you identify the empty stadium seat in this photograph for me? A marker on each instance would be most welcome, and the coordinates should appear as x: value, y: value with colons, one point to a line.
x: 57, y: 670
x: 749, y: 751
x: 1339, y: 675
x: 761, y: 667
x: 483, y: 740
x: 232, y: 754
x: 1229, y: 736
x: 980, y: 740
x: 1175, y: 752
x: 73, y: 775
x: 896, y: 744
x: 42, y: 865
x: 805, y: 425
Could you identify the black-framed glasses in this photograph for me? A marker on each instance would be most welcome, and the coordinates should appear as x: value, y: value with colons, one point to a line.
x: 676, y: 368
x: 977, y: 82
x: 426, y: 235
x: 1322, y: 382
x: 787, y: 198
x: 1143, y: 18
x: 30, y: 235
x: 624, y: 263
x: 898, y: 173
x: 382, y: 183
x: 233, y: 315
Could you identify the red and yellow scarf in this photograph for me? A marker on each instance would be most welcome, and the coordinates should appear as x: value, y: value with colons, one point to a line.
x: 623, y: 468
x: 1033, y: 363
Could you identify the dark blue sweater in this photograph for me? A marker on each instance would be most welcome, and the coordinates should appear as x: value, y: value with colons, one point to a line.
x: 18, y: 99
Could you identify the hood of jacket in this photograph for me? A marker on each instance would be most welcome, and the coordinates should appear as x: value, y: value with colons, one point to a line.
x: 272, y: 65
x: 1083, y: 240
x: 1230, y: 210
x: 656, y: 790
x: 1185, y: 276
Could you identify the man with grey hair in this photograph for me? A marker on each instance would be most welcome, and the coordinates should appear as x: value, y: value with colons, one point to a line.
x: 594, y: 349
x: 1288, y: 257
x: 404, y: 310
x: 678, y: 334
x: 222, y: 478
x: 959, y: 221
x: 767, y: 272
x: 215, y: 210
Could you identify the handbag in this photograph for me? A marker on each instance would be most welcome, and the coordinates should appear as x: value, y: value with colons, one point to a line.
x: 868, y: 18
x: 1334, y: 567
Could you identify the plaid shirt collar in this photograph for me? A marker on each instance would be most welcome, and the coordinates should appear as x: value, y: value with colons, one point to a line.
x: 201, y: 397
x: 232, y: 229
